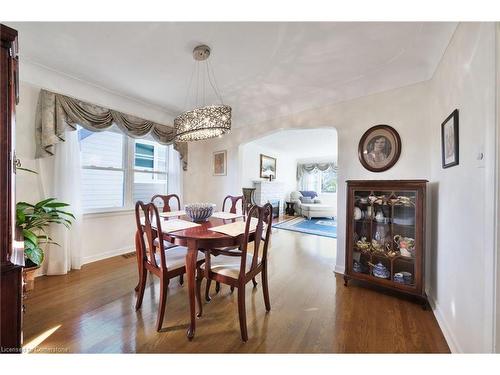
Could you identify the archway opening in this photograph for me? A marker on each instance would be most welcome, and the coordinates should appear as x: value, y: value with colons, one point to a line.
x: 303, y: 186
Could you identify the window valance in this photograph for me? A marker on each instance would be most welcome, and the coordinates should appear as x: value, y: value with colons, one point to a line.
x: 314, y: 167
x: 58, y: 113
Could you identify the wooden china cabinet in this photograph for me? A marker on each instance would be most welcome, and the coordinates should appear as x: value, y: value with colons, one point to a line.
x: 385, y: 239
x: 11, y: 274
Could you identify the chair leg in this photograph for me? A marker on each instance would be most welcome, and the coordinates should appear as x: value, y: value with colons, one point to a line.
x: 142, y: 286
x: 138, y: 254
x: 207, y: 290
x: 198, y: 293
x: 181, y: 279
x: 254, y: 282
x: 265, y: 289
x: 217, y: 287
x: 242, y: 312
x: 161, y: 304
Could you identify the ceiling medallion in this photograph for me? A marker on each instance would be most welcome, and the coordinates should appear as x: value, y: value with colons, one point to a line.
x: 204, y: 121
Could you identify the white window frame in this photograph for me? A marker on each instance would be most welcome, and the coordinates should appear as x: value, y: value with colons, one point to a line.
x: 321, y: 185
x: 129, y: 169
x: 155, y: 170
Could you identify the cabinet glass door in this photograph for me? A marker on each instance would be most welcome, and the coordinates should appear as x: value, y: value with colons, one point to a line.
x: 384, y: 235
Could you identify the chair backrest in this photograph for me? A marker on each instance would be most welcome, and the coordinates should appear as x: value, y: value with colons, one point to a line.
x: 234, y: 202
x: 261, y: 215
x: 248, y: 200
x: 166, y: 201
x: 145, y: 229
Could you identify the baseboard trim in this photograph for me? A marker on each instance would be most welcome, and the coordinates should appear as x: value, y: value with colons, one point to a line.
x: 339, y: 269
x: 445, y: 328
x: 107, y: 254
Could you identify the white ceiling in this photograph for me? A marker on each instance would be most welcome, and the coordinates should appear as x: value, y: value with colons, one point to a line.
x: 302, y: 144
x: 264, y: 70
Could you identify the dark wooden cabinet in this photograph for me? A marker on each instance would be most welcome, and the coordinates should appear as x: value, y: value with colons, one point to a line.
x: 385, y: 239
x: 11, y: 274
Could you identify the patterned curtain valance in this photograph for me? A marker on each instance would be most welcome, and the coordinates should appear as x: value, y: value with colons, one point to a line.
x: 58, y: 113
x: 313, y: 168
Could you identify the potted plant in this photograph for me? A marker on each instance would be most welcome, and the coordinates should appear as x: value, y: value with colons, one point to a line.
x: 32, y: 222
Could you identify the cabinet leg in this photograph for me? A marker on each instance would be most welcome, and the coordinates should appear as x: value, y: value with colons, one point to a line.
x: 346, y: 280
x: 425, y: 304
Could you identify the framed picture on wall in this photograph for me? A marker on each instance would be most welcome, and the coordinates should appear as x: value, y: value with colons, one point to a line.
x: 267, y: 166
x: 379, y: 148
x: 449, y: 140
x: 220, y: 163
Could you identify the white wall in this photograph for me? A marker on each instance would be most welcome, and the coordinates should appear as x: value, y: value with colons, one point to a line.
x: 462, y: 252
x: 460, y: 232
x: 497, y: 188
x: 103, y: 234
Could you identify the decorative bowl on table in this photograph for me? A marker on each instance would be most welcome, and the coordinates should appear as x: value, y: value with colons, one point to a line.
x: 199, y: 211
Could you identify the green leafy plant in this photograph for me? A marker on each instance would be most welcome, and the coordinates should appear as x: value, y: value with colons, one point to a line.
x: 34, y: 220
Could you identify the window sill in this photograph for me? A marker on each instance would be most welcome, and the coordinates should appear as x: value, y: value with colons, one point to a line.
x: 108, y: 212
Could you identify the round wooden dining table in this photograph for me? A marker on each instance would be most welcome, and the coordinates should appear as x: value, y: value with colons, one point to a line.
x: 195, y: 239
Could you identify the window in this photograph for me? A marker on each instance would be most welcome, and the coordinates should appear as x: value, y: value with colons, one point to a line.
x: 328, y: 181
x: 324, y: 182
x: 117, y: 170
x: 150, y: 170
x: 103, y: 170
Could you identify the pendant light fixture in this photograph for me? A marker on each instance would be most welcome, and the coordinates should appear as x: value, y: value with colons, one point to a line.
x: 204, y: 121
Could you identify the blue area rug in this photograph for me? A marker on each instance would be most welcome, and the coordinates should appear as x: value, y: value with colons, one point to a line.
x: 320, y: 226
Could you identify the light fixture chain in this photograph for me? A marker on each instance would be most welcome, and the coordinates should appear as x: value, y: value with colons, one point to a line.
x: 188, y: 92
x: 214, y: 84
x: 204, y: 87
x: 196, y: 100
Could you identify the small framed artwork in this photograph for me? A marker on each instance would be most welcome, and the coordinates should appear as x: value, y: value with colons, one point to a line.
x: 379, y: 148
x: 449, y: 140
x: 267, y: 167
x: 220, y: 163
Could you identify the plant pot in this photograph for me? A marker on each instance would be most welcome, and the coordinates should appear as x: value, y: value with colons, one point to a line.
x: 29, y: 271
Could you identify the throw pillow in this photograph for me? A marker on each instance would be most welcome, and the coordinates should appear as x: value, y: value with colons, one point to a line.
x: 309, y: 193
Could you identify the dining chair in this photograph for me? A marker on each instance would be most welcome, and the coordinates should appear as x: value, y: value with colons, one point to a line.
x: 229, y: 251
x: 167, y: 208
x: 155, y: 258
x: 234, y: 203
x: 237, y: 271
x: 166, y: 201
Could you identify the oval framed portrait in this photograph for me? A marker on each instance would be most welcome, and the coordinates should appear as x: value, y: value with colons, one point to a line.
x: 379, y: 148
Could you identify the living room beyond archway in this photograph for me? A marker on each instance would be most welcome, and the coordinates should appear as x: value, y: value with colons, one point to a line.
x: 296, y: 171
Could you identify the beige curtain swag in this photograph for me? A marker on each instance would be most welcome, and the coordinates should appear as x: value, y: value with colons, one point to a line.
x: 307, y: 168
x: 58, y: 113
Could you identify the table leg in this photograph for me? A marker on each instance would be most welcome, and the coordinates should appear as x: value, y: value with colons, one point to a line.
x: 191, y: 257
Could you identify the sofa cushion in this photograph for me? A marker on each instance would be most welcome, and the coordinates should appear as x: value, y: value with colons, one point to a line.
x: 306, y: 200
x: 309, y: 193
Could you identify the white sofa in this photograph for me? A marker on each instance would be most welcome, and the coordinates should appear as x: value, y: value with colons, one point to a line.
x: 310, y: 210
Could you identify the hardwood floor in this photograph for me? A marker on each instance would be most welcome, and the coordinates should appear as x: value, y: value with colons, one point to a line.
x: 92, y: 311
